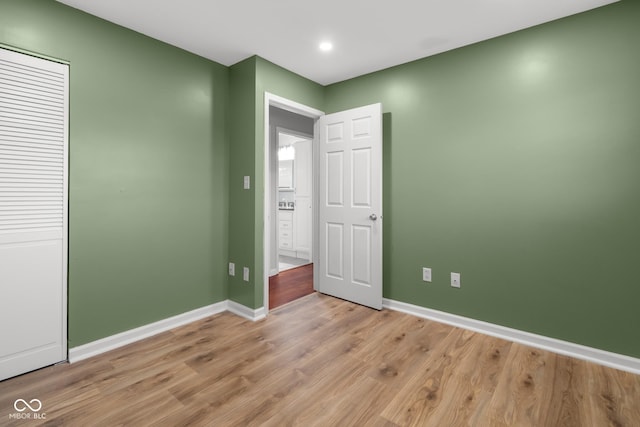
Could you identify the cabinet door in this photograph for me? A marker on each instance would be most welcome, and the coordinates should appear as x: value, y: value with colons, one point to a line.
x: 286, y: 237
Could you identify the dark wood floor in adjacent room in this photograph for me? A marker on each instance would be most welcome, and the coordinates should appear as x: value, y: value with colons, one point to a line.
x: 322, y: 361
x: 290, y: 285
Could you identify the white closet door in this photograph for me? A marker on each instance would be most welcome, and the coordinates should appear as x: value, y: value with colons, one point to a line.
x: 33, y: 212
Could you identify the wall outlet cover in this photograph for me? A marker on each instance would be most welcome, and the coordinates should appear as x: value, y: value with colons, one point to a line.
x: 455, y: 280
x: 245, y: 274
x: 426, y: 274
x: 232, y: 269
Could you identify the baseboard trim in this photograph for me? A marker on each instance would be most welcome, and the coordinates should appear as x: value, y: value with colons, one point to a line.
x: 578, y: 351
x: 601, y: 357
x: 112, y: 342
x: 246, y: 312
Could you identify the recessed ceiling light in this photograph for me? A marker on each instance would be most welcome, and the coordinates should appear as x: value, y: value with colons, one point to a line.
x: 326, y: 46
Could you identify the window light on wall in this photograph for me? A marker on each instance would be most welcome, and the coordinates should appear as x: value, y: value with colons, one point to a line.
x: 286, y: 152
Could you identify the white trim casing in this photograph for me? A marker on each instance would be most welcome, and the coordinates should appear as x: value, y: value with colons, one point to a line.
x: 112, y: 342
x: 246, y: 312
x: 578, y: 351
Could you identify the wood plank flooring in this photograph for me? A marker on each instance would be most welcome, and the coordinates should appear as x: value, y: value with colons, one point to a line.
x: 290, y: 285
x: 321, y: 361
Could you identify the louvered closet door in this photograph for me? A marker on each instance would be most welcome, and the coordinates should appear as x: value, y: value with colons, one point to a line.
x: 33, y: 212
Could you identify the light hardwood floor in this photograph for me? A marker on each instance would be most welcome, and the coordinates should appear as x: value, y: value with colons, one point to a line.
x: 321, y: 361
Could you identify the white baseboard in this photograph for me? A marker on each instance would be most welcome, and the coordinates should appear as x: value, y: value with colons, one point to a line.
x: 112, y: 342
x: 601, y: 357
x: 246, y: 312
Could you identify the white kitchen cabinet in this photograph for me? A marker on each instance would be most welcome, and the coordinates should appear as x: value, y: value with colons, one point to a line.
x: 286, y: 232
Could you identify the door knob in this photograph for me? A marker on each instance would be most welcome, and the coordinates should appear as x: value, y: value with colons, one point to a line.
x: 373, y: 217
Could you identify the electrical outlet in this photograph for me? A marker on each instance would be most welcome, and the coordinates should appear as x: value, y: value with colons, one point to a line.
x: 455, y: 280
x: 426, y: 274
x: 247, y: 182
x: 245, y: 274
x: 232, y: 269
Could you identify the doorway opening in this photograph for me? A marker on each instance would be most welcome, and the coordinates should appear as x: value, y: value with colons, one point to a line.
x: 294, y: 179
x: 289, y: 205
x: 346, y: 201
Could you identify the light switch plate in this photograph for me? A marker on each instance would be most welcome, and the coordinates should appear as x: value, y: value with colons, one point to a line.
x: 247, y: 182
x: 232, y: 269
x: 245, y: 274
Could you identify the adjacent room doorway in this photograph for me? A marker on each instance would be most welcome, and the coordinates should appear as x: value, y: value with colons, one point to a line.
x: 294, y: 198
x: 346, y: 202
x: 290, y: 188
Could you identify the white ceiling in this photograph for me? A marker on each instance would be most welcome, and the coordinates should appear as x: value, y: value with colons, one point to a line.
x: 368, y: 35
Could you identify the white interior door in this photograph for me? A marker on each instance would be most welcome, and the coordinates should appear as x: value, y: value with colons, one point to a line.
x: 350, y: 211
x: 33, y: 212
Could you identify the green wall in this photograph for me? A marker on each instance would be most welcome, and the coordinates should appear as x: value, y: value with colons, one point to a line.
x: 250, y: 79
x: 148, y: 169
x: 276, y: 80
x: 515, y: 163
x: 242, y: 228
x: 512, y: 161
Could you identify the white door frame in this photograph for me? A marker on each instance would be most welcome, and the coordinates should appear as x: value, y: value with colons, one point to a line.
x: 303, y: 110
